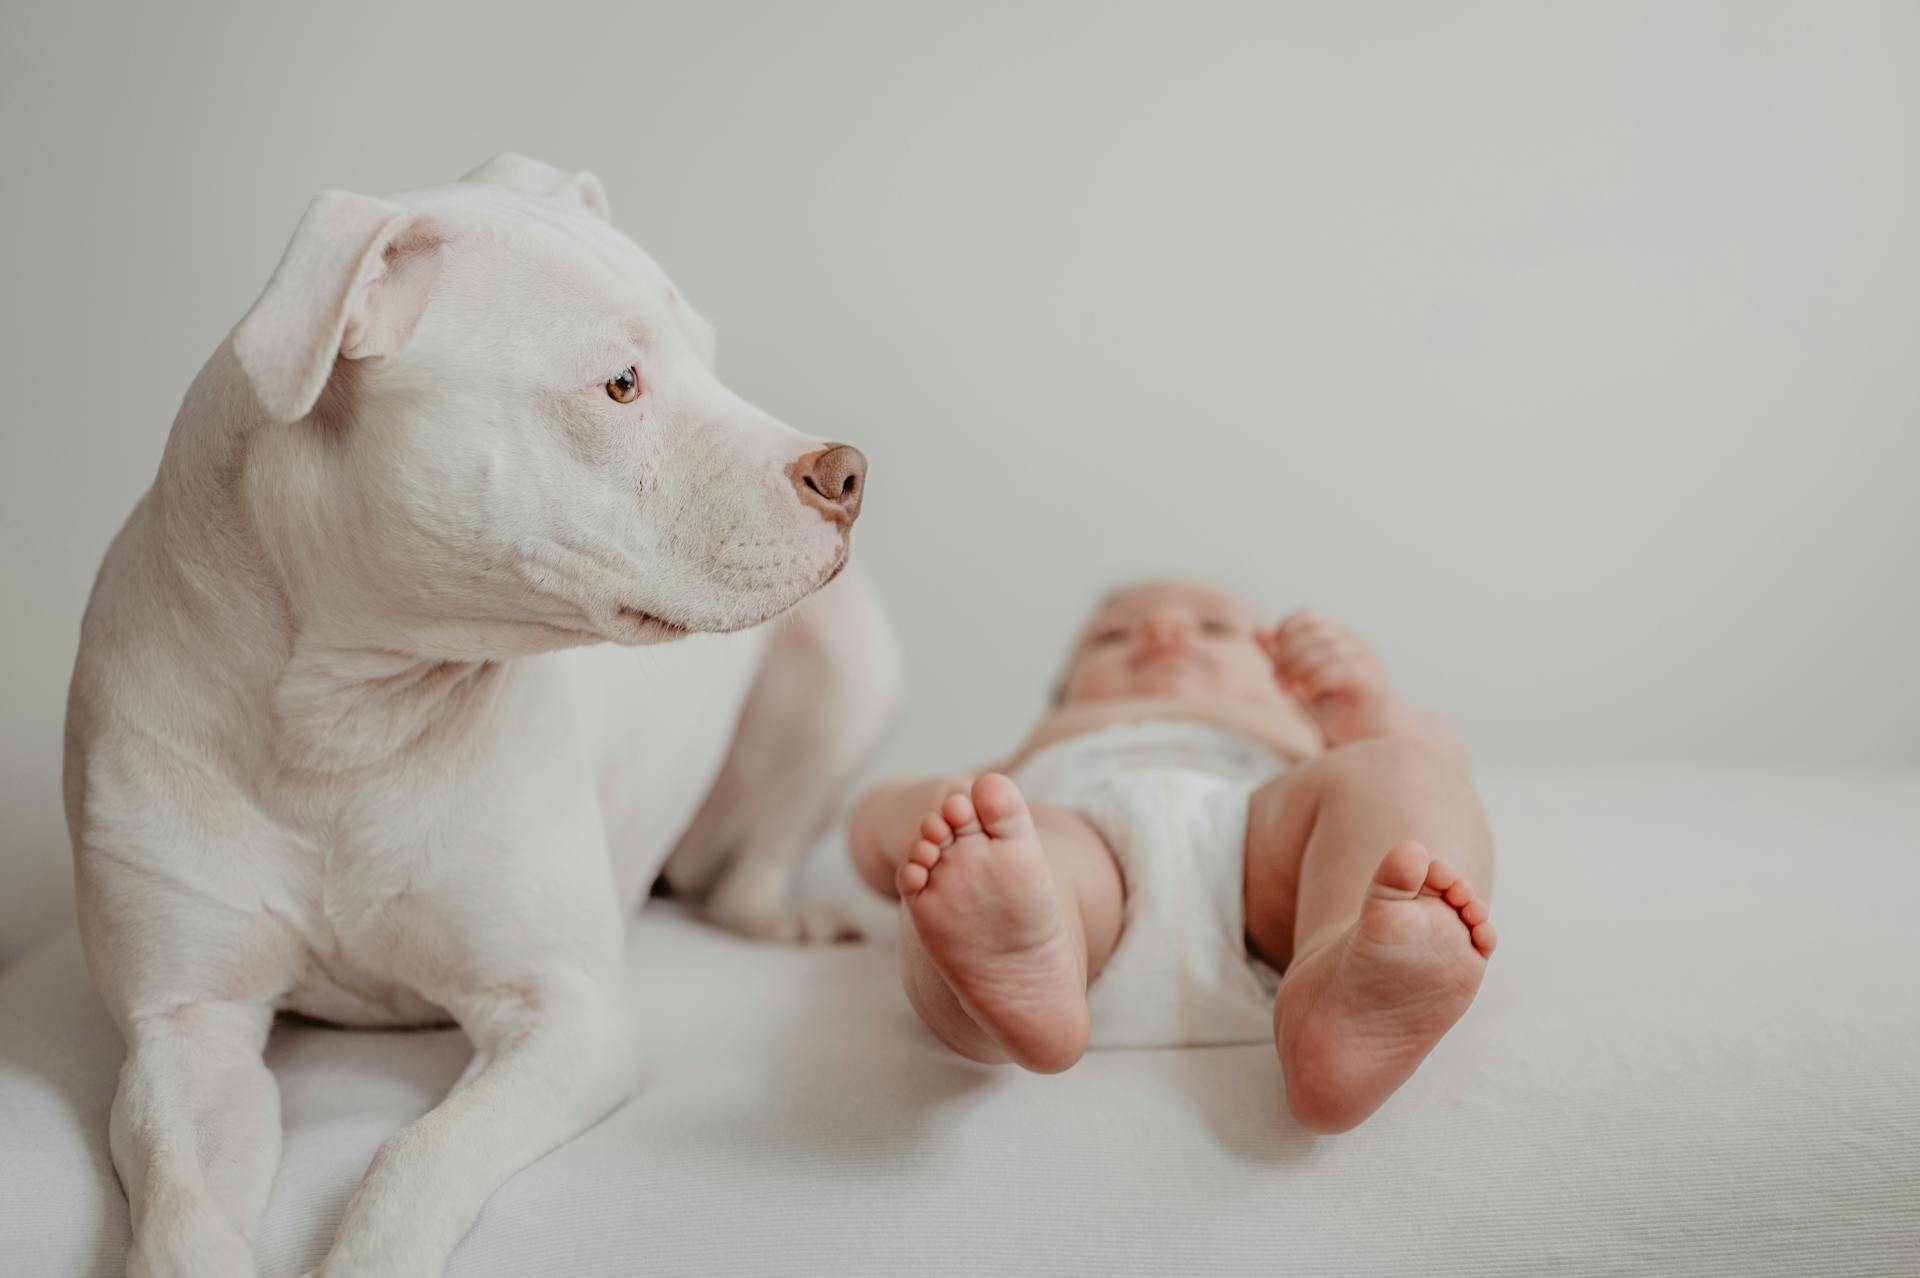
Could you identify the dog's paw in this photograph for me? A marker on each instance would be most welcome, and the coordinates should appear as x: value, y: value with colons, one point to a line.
x: 820, y: 923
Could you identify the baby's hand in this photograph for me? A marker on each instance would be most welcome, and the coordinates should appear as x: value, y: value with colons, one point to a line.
x: 1334, y: 675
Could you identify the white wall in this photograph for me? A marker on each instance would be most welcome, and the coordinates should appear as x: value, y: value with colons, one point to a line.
x: 1571, y: 353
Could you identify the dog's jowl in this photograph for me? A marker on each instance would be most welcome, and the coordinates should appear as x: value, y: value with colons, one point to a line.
x: 354, y: 730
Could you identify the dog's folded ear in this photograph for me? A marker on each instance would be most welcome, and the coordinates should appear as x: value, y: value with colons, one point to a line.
x: 536, y: 177
x: 352, y: 284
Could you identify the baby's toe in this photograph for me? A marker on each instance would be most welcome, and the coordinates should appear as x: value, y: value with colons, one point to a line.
x: 1402, y: 870
x: 958, y: 814
x: 1001, y: 807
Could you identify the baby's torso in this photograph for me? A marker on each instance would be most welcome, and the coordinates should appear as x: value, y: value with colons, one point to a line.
x: 1217, y: 732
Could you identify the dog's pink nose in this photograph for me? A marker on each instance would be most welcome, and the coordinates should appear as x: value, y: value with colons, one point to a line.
x: 832, y: 481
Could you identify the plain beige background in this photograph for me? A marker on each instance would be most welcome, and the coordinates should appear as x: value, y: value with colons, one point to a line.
x: 1571, y: 353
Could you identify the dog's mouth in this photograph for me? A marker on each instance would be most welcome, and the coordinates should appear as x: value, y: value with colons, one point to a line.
x: 646, y: 626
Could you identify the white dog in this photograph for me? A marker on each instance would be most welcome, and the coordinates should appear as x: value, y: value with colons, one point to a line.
x: 324, y: 752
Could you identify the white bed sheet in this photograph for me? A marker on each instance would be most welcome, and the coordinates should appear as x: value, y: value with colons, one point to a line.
x: 1698, y: 1050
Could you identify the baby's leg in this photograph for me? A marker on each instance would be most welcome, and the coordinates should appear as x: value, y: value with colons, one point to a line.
x: 1011, y: 910
x: 1384, y: 945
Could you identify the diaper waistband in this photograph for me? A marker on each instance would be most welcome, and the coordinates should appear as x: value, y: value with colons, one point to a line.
x: 1152, y: 745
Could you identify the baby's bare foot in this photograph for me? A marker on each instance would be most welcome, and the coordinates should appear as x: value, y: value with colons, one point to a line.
x: 989, y: 913
x: 1356, y: 1017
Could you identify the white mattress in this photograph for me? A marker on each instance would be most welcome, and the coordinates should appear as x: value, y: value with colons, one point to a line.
x: 1697, y: 1050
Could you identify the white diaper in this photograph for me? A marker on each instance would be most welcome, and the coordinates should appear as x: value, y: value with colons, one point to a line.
x: 1171, y: 800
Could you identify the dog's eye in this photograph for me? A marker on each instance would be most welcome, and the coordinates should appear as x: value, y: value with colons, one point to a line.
x: 624, y: 388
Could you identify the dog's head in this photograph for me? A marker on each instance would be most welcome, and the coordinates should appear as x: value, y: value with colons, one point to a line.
x: 491, y: 424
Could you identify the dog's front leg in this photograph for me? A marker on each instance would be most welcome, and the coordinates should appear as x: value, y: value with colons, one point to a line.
x: 195, y: 1135
x: 554, y: 1052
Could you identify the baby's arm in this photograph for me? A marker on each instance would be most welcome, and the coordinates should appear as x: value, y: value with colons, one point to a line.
x: 886, y: 822
x: 1344, y: 686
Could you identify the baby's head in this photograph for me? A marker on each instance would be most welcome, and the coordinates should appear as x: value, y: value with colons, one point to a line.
x: 1169, y: 639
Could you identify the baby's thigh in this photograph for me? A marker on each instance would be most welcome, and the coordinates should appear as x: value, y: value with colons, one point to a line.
x: 1279, y: 819
x: 1349, y: 806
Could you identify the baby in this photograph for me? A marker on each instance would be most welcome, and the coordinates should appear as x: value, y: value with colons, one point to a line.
x: 1209, y: 805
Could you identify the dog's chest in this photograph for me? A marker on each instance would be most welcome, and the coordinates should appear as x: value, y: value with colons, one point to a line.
x: 412, y: 878
x: 377, y: 875
x: 396, y: 874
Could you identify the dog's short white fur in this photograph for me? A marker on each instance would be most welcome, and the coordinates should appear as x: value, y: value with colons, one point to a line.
x: 344, y: 738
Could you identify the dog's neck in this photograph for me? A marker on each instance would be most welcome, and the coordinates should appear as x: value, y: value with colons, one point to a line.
x: 341, y: 709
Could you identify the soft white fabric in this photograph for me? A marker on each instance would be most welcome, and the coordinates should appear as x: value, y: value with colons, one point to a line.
x: 1170, y: 798
x: 1697, y: 1051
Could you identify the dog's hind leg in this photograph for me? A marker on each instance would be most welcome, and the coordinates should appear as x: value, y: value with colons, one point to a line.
x: 195, y: 1135
x: 823, y: 701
